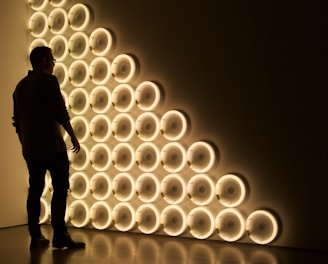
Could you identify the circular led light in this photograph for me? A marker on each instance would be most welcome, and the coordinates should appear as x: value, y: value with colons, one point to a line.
x: 201, y: 189
x: 45, y: 211
x: 123, y: 97
x: 124, y: 216
x: 100, y: 70
x: 81, y: 128
x: 124, y: 68
x: 147, y: 126
x: 100, y: 99
x: 38, y: 24
x: 100, y: 157
x: 79, y: 161
x: 58, y: 3
x: 147, y: 187
x: 147, y: 157
x: 173, y: 157
x: 38, y: 42
x: 79, y: 185
x: 100, y: 186
x: 101, y: 41
x: 78, y: 73
x: 123, y: 157
x: 173, y: 189
x: 123, y: 127
x: 262, y: 227
x: 79, y: 213
x: 174, y: 220
x: 148, y: 218
x: 78, y: 45
x: 61, y: 72
x: 230, y: 224
x: 123, y: 187
x: 101, y: 215
x: 201, y: 223
x: 100, y: 128
x: 79, y: 17
x: 38, y: 5
x: 58, y: 21
x: 59, y: 47
x: 174, y: 125
x: 201, y: 157
x: 148, y: 96
x: 231, y: 190
x: 78, y: 101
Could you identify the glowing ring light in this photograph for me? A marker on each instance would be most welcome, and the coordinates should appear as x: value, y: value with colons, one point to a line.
x: 38, y: 5
x: 100, y: 70
x: 58, y: 3
x: 79, y: 17
x: 38, y: 24
x: 38, y: 42
x: 100, y: 128
x: 79, y: 213
x: 78, y: 73
x: 100, y: 157
x: 201, y: 157
x: 48, y: 185
x: 100, y: 99
x: 147, y: 157
x: 101, y: 215
x: 148, y: 96
x: 147, y: 126
x: 201, y: 189
x: 78, y: 101
x: 124, y: 216
x: 174, y: 125
x: 262, y: 227
x: 231, y: 190
x: 173, y: 189
x: 45, y: 211
x: 78, y: 45
x: 173, y: 157
x: 123, y: 187
x: 100, y: 41
x: 59, y: 47
x: 58, y: 21
x: 201, y: 223
x: 124, y: 68
x: 148, y: 219
x: 79, y: 185
x: 123, y: 97
x: 80, y: 160
x: 123, y: 127
x: 147, y: 188
x: 61, y: 72
x: 100, y: 186
x: 173, y: 220
x: 81, y: 128
x: 123, y: 157
x: 230, y: 224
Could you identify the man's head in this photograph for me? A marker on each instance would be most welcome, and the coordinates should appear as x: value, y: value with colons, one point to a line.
x: 42, y: 59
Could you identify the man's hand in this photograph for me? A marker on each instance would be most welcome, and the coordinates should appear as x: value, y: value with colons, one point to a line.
x: 76, y: 145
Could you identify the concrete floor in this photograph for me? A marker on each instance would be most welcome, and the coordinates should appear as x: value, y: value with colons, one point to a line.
x: 129, y: 248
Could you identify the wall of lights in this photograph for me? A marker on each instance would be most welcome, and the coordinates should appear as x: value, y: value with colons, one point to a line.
x: 135, y: 172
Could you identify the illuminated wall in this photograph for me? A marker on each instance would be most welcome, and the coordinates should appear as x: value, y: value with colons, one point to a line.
x: 249, y: 125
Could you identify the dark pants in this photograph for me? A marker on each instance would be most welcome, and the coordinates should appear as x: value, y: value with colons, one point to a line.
x: 58, y: 166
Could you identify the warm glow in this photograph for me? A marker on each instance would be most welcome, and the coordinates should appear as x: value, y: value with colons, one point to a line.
x: 174, y: 220
x: 148, y: 96
x: 59, y: 47
x: 38, y: 24
x: 100, y: 41
x: 79, y: 185
x: 173, y: 157
x: 201, y: 189
x: 78, y: 45
x: 147, y: 187
x: 123, y: 157
x: 79, y: 17
x: 148, y: 218
x: 147, y: 157
x: 201, y: 157
x: 174, y: 125
x: 58, y: 21
x: 101, y: 215
x: 100, y: 157
x: 123, y: 98
x: 100, y: 70
x: 147, y: 126
x: 100, y: 186
x: 200, y: 222
x: 123, y: 127
x: 124, y: 216
x: 79, y: 213
x: 124, y: 68
x: 123, y: 187
x: 100, y: 99
x: 173, y: 189
x: 78, y: 73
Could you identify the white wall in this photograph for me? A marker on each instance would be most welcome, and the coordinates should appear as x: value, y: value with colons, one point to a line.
x: 14, y: 65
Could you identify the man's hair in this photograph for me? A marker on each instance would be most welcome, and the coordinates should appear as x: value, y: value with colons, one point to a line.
x: 37, y: 55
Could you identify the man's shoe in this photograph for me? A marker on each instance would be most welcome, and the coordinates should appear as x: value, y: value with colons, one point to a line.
x: 39, y: 241
x: 65, y: 241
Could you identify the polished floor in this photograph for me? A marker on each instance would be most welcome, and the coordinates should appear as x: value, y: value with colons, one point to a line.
x: 128, y: 248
